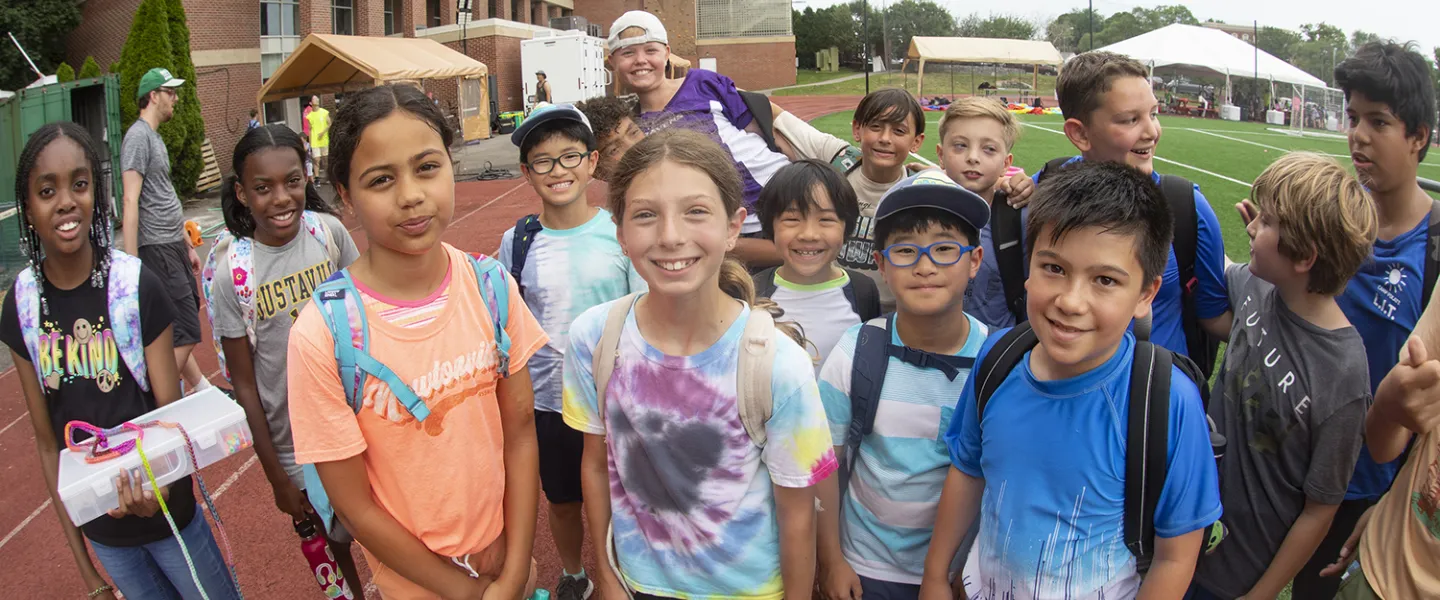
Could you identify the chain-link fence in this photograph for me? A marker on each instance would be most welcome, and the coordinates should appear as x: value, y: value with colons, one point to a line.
x: 1317, y: 108
x: 742, y: 18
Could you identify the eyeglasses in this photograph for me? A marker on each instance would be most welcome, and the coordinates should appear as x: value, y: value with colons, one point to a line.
x: 569, y: 160
x: 941, y: 253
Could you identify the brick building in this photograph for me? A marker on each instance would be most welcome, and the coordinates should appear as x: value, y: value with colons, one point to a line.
x: 236, y: 44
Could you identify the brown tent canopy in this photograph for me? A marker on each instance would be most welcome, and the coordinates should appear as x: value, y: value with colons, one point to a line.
x: 327, y: 64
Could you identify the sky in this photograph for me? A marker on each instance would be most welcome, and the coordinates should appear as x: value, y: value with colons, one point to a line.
x: 1404, y: 20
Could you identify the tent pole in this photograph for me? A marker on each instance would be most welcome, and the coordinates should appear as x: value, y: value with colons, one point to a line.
x: 920, y: 81
x: 952, y: 82
x: 1035, y: 80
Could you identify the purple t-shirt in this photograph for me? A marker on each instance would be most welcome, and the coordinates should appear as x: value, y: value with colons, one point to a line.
x: 708, y: 103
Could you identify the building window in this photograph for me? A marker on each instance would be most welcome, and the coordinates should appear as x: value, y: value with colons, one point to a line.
x: 389, y: 12
x: 279, y: 17
x: 432, y: 13
x: 343, y: 14
x: 742, y: 18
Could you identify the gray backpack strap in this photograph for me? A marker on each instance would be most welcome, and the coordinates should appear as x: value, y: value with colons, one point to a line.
x: 754, y: 374
x: 602, y: 364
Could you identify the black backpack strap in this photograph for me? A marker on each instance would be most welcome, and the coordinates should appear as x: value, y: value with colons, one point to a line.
x: 1432, y: 254
x: 1051, y: 167
x: 867, y: 377
x: 525, y: 229
x: 1202, y: 347
x: 1147, y: 448
x: 759, y: 105
x: 997, y: 364
x: 1005, y: 237
x: 863, y: 294
x: 764, y: 283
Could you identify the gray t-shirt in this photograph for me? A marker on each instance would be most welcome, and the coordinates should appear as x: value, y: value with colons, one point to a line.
x: 1290, y: 400
x: 284, y: 276
x: 162, y: 219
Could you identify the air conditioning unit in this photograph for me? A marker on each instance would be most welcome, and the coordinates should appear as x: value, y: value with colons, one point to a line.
x: 570, y: 22
x: 595, y: 30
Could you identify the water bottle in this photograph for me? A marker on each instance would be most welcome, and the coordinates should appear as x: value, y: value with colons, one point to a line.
x: 540, y: 594
x: 322, y: 562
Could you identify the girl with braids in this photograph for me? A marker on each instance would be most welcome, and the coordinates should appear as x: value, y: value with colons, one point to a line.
x: 282, y: 242
x: 89, y: 330
x: 704, y: 500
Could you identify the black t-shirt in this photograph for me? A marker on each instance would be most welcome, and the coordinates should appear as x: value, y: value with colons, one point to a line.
x: 91, y: 383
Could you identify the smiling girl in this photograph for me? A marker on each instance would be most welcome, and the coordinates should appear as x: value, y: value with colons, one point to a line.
x: 701, y: 504
x: 284, y: 242
x: 443, y: 500
x: 62, y: 310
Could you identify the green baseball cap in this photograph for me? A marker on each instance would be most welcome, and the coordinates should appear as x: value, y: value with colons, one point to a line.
x: 155, y: 79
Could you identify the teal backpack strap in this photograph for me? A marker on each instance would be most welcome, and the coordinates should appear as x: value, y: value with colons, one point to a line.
x: 27, y: 305
x: 339, y: 303
x: 122, y: 289
x: 491, y: 275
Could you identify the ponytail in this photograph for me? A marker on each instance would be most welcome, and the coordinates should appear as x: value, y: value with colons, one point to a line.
x: 238, y: 219
x: 735, y: 281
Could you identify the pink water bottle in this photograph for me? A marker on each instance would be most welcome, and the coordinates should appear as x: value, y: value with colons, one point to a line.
x: 322, y: 562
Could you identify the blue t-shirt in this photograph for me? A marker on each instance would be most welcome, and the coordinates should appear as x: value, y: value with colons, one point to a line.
x: 1383, y: 301
x: 566, y: 272
x: 1211, y: 301
x: 888, y: 514
x: 1052, y: 454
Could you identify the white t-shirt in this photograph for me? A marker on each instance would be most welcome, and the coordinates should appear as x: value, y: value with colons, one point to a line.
x: 858, y: 251
x: 821, y: 309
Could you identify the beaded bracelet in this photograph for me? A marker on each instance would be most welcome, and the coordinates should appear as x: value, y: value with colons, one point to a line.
x: 102, y: 589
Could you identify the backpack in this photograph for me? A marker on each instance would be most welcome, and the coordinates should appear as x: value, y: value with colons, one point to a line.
x: 344, y: 314
x: 752, y: 388
x: 862, y: 293
x: 526, y: 229
x: 873, y: 351
x: 1147, y: 438
x: 1432, y: 254
x: 239, y: 253
x: 1179, y: 192
x: 122, y: 299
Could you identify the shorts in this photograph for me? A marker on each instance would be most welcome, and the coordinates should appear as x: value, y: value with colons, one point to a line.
x: 319, y: 151
x: 561, y: 448
x: 875, y: 589
x: 171, y: 263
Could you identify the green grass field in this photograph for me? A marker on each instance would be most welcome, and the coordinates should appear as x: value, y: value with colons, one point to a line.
x: 938, y: 81
x: 1223, y: 157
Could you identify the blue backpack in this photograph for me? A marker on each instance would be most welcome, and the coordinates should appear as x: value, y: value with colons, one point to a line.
x: 340, y: 306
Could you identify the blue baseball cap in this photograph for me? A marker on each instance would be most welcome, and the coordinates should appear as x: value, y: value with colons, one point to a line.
x: 931, y: 188
x: 545, y: 113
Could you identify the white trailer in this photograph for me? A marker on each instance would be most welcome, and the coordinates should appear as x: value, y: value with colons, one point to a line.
x: 573, y: 62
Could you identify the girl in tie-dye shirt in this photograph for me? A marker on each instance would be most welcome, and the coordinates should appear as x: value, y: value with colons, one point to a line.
x: 698, y: 510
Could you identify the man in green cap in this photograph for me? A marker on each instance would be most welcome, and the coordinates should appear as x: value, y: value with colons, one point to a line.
x: 154, y: 221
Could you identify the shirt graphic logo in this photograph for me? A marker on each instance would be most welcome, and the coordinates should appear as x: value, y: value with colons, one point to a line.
x: 1387, y: 294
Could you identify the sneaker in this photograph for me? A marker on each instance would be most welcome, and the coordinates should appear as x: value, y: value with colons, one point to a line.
x: 574, y: 587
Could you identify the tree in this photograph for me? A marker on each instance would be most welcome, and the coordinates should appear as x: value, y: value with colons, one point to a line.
x: 1322, y: 46
x: 1360, y: 38
x: 147, y: 47
x: 40, y: 26
x: 836, y: 26
x: 1280, y: 43
x: 1067, y: 29
x: 64, y: 73
x: 187, y: 160
x: 89, y: 69
x: 909, y: 18
x: 996, y: 26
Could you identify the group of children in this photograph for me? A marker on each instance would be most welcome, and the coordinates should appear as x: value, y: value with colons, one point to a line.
x: 936, y: 391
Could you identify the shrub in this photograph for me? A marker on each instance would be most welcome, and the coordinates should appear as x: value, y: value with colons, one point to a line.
x: 64, y: 73
x: 89, y: 69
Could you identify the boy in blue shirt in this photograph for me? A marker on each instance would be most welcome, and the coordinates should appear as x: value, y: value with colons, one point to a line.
x: 1391, y: 109
x: 1044, y: 466
x: 873, y: 534
x: 1112, y: 115
x: 566, y: 260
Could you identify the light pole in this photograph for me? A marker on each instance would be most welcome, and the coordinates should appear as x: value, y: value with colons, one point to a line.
x: 1091, y: 14
x: 463, y: 6
x: 865, y: 40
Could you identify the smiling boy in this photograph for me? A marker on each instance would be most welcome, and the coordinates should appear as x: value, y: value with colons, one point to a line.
x: 889, y: 388
x: 566, y: 259
x: 1111, y: 114
x: 1046, y: 474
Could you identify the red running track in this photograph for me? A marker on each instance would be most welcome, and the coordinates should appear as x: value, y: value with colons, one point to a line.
x: 35, y: 563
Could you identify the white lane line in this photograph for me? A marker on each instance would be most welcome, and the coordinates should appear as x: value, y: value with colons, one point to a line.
x: 234, y: 476
x: 12, y: 423
x: 1164, y: 160
x: 16, y: 531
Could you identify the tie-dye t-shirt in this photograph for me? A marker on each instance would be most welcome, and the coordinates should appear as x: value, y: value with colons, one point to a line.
x: 566, y: 272
x: 691, y: 497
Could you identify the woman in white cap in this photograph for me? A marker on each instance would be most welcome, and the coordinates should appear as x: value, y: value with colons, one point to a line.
x: 704, y: 101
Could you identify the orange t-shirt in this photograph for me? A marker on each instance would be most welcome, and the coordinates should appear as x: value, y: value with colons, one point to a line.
x: 443, y: 479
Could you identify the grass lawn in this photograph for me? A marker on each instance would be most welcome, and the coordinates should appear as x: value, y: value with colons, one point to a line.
x: 937, y: 81
x: 1223, y: 157
x: 807, y: 76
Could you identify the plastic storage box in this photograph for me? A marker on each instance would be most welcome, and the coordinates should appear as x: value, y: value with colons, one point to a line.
x: 216, y: 425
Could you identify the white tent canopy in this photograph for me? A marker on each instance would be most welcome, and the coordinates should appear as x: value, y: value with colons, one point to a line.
x: 980, y: 50
x: 1209, y: 50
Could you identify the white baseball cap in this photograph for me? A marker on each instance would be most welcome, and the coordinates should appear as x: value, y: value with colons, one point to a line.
x: 654, y: 30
